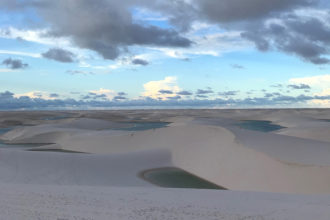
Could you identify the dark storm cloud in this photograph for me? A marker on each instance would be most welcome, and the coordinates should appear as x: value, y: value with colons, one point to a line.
x: 224, y: 11
x: 59, y: 55
x: 14, y: 64
x: 184, y: 93
x: 169, y: 92
x: 305, y: 37
x: 140, y: 62
x: 301, y: 86
x: 108, y: 27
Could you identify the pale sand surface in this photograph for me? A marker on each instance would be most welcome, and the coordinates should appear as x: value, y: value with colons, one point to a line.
x: 207, y: 143
x: 30, y: 202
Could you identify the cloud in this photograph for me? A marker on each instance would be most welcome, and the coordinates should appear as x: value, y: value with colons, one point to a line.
x: 237, y: 66
x: 102, y: 93
x: 54, y: 95
x: 20, y: 53
x: 184, y: 93
x: 14, y: 64
x: 277, y: 86
x: 122, y: 93
x: 225, y: 11
x: 204, y: 91
x: 79, y: 72
x: 302, y: 33
x: 59, y: 55
x: 228, y: 93
x: 202, y: 96
x: 319, y: 83
x: 169, y: 92
x: 174, y: 97
x: 106, y: 27
x: 140, y: 62
x: 34, y: 35
x: 301, y: 86
x: 152, y: 88
x: 36, y: 95
x: 118, y: 98
x: 111, y: 28
x: 10, y: 101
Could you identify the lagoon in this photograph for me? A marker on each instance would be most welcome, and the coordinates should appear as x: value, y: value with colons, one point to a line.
x: 262, y: 126
x: 171, y: 177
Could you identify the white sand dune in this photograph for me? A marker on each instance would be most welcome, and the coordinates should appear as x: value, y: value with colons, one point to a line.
x: 22, y: 167
x: 243, y: 161
x: 205, y: 143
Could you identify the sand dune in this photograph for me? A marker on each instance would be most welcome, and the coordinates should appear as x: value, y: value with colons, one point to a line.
x: 207, y: 143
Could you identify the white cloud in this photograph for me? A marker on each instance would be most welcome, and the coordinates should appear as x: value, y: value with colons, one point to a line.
x: 36, y: 36
x: 6, y: 70
x: 319, y: 83
x: 20, y: 53
x: 211, y: 44
x: 152, y: 88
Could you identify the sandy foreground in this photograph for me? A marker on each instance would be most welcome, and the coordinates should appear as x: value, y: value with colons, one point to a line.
x: 264, y: 172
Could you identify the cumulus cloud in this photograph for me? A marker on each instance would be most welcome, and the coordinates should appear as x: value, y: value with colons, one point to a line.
x: 14, y: 64
x: 320, y: 83
x: 152, y: 88
x: 59, y: 55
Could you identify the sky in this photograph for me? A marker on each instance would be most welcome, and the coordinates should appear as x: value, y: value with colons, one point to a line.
x: 87, y: 54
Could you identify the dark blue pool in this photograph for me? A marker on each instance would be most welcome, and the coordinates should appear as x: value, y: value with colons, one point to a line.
x: 172, y: 177
x: 262, y: 126
x: 4, y: 130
